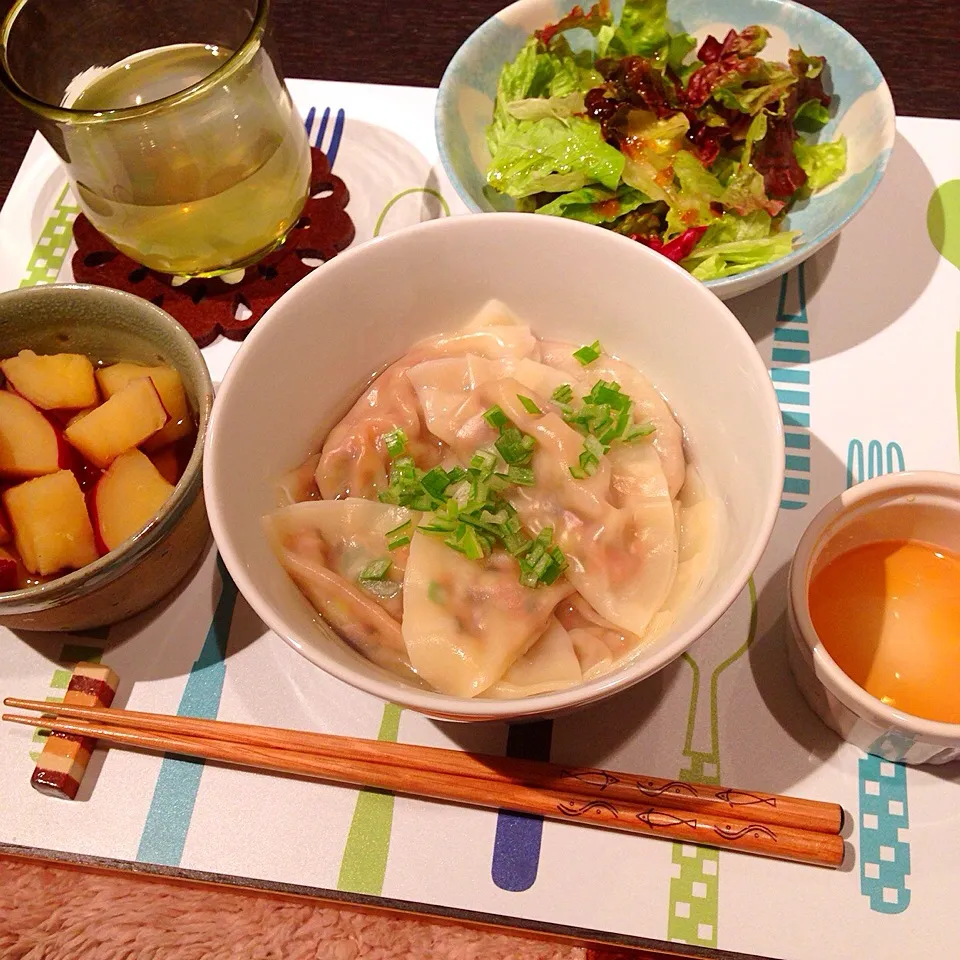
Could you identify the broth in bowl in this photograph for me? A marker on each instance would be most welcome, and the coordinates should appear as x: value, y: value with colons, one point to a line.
x: 499, y: 515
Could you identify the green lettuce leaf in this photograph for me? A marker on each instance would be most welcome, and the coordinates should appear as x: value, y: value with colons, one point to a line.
x: 738, y: 256
x: 553, y: 156
x: 536, y: 74
x: 526, y: 77
x: 697, y: 189
x: 731, y: 228
x: 642, y: 30
x: 822, y: 162
x: 535, y: 108
x: 572, y: 72
x: 811, y: 115
x: 733, y: 244
x: 595, y: 204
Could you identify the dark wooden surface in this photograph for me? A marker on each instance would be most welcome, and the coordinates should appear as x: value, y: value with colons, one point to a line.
x: 915, y: 42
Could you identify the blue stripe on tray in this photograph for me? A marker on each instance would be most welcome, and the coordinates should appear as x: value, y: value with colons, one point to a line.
x: 516, y: 846
x: 168, y: 820
x: 792, y: 418
x: 790, y: 355
x: 790, y: 366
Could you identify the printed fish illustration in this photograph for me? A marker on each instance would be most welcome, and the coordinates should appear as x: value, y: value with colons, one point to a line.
x: 654, y: 818
x: 648, y: 789
x: 594, y: 778
x: 740, y: 798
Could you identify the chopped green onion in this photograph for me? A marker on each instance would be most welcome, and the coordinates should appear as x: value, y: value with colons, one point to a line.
x: 396, y: 442
x: 435, y: 482
x: 399, y: 536
x: 589, y: 353
x: 376, y: 569
x: 528, y: 404
x: 521, y: 476
x: 615, y: 431
x: 496, y: 417
x: 484, y: 461
x: 456, y: 474
x: 514, y: 446
x: 578, y: 473
x: 516, y: 543
x: 608, y: 392
x: 438, y: 525
x: 593, y: 446
x: 637, y: 431
x: 563, y: 393
x: 529, y: 579
x: 467, y: 541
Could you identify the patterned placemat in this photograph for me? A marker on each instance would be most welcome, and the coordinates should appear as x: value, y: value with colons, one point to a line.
x: 862, y: 347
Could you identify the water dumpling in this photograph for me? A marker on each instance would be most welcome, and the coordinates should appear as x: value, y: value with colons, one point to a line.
x: 501, y: 516
x: 465, y: 622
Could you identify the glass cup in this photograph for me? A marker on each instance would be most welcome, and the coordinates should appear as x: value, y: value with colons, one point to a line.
x: 178, y: 135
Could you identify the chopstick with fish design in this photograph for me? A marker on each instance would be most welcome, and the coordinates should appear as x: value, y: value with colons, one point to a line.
x: 626, y: 802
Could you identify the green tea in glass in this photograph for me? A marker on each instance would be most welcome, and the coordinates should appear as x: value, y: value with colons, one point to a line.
x: 177, y: 132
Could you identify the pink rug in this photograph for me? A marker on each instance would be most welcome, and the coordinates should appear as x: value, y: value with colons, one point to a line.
x: 54, y: 913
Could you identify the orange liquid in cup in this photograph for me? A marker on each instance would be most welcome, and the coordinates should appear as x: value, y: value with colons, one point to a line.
x: 889, y: 615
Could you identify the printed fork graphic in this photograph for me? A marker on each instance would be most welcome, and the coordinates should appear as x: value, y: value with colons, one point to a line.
x: 333, y: 146
x: 884, y: 812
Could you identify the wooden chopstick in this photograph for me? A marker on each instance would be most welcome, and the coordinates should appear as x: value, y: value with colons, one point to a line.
x: 778, y: 842
x: 588, y: 782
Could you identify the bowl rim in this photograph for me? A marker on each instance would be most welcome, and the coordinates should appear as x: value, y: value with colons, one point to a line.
x: 827, y: 670
x: 431, y: 702
x: 444, y: 109
x: 113, y: 564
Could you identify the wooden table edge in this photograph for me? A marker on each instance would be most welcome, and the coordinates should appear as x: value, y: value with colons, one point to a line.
x: 599, y: 945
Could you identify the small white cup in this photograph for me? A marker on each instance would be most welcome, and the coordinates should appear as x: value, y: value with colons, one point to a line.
x: 901, y: 506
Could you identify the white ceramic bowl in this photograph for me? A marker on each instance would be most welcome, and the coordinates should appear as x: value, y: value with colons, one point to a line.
x: 862, y: 111
x: 899, y: 506
x: 308, y: 358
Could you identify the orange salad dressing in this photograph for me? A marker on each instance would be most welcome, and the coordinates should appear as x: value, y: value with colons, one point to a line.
x: 889, y: 615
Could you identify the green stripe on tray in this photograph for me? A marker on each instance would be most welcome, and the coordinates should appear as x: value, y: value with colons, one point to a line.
x: 364, y: 863
x: 50, y: 252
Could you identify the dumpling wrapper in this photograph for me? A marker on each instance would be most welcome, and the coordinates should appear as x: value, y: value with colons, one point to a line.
x: 598, y: 643
x: 354, y: 460
x: 550, y: 664
x: 465, y: 622
x: 648, y: 404
x: 324, y: 544
x: 701, y: 518
x: 617, y: 527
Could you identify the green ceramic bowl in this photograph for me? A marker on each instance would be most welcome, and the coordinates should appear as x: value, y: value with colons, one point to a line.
x: 107, y: 324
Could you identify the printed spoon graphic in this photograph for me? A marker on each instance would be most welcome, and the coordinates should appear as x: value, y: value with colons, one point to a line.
x: 695, y: 885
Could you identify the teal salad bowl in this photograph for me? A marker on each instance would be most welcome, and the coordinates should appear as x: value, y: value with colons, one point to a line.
x: 861, y: 108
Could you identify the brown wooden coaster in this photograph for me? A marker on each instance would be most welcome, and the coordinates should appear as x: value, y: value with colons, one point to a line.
x: 210, y: 307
